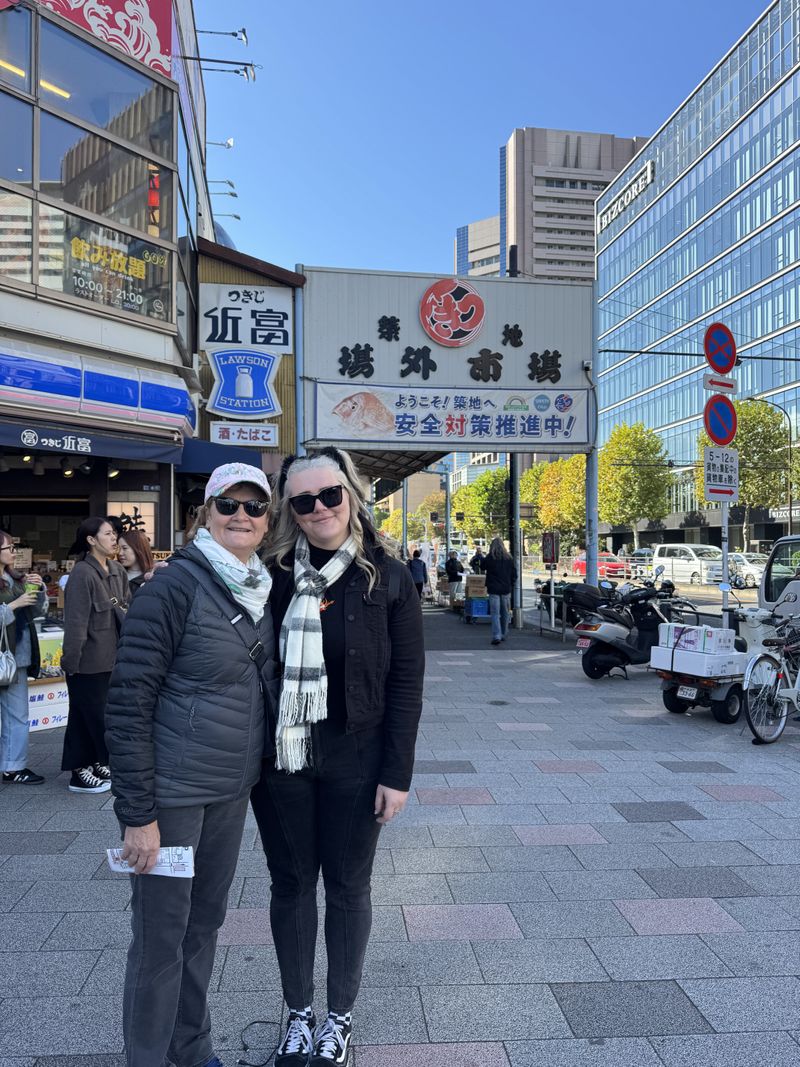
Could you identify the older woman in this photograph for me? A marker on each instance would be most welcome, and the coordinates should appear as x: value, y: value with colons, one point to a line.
x: 194, y: 685
x: 353, y: 662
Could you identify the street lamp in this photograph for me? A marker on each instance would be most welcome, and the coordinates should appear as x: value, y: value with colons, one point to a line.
x: 227, y: 215
x: 761, y: 400
x: 222, y: 144
x: 240, y: 35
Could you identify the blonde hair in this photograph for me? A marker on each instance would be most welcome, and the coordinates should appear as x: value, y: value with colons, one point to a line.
x: 283, y: 528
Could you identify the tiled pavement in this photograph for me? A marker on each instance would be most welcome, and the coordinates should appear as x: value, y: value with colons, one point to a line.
x: 580, y: 879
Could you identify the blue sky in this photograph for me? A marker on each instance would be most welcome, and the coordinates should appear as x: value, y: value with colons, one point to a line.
x: 372, y: 131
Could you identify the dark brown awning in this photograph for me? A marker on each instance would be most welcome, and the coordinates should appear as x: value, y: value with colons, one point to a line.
x: 398, y: 465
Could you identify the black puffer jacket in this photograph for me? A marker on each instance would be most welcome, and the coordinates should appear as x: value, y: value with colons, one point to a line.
x: 385, y: 664
x: 501, y: 573
x: 185, y: 719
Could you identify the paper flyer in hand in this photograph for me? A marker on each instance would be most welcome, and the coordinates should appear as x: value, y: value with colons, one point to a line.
x: 176, y: 861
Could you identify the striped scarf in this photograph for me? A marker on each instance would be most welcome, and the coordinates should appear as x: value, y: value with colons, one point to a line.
x: 304, y: 690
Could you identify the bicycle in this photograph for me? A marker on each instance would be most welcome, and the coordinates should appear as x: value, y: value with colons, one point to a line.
x: 768, y: 696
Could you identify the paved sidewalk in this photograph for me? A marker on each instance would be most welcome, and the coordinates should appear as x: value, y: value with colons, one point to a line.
x: 580, y: 879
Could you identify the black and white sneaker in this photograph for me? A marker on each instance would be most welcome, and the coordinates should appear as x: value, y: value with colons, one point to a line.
x: 102, y: 772
x: 332, y: 1041
x: 84, y: 780
x: 24, y: 777
x: 298, y: 1043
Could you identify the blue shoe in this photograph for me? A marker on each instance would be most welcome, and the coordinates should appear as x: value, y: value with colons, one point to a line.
x: 215, y: 1063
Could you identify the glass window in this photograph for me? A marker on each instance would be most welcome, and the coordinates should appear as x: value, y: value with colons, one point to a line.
x: 15, y: 48
x: 16, y: 236
x: 16, y: 149
x: 781, y: 571
x: 96, y: 175
x: 103, y: 265
x: 87, y: 83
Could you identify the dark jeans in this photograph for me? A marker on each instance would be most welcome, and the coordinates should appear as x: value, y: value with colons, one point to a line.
x: 84, y: 738
x: 322, y: 817
x: 175, y: 923
x: 419, y: 586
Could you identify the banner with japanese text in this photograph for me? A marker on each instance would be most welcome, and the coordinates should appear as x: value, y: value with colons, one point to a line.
x: 412, y: 361
x: 457, y: 419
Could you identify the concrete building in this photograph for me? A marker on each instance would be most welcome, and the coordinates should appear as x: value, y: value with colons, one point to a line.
x: 703, y: 225
x: 477, y: 248
x: 468, y: 466
x: 420, y: 485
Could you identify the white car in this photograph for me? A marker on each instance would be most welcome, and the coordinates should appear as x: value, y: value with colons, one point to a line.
x: 749, y: 566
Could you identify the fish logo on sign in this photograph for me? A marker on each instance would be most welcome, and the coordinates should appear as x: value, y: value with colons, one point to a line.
x: 243, y: 384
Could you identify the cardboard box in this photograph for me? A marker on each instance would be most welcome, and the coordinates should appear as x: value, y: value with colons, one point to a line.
x: 716, y: 639
x: 476, y: 585
x: 699, y: 664
x: 696, y: 638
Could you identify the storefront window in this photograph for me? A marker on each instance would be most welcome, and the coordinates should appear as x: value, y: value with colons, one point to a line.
x: 104, y: 266
x: 16, y: 149
x: 15, y: 48
x: 94, y: 174
x: 85, y: 82
x: 16, y: 235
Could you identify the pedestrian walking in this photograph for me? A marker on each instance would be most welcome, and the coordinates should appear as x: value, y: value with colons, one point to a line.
x: 419, y: 572
x: 351, y: 645
x: 501, y: 573
x: 194, y: 685
x: 95, y: 600
x: 454, y: 568
x: 136, y: 556
x: 22, y: 598
x: 477, y: 561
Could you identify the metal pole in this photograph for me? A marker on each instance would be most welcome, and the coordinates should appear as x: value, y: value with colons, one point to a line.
x: 592, y: 464
x: 789, y: 479
x: 726, y: 620
x: 299, y: 368
x: 446, y: 515
x: 404, y: 505
x: 514, y: 543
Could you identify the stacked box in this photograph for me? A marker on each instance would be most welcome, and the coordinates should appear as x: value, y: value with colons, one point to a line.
x: 696, y: 638
x: 476, y: 585
x: 699, y: 664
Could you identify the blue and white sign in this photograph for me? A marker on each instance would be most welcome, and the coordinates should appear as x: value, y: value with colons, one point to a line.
x: 243, y: 383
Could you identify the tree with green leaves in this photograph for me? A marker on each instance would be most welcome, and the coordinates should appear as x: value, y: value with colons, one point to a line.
x: 761, y: 441
x: 562, y: 498
x: 529, y: 483
x: 393, y: 526
x: 491, y: 496
x: 634, y: 477
x: 433, y: 503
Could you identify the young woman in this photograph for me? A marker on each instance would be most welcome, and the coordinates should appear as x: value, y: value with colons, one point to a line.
x: 351, y: 645
x: 136, y: 556
x: 95, y: 600
x: 194, y: 684
x: 501, y: 573
x: 17, y: 611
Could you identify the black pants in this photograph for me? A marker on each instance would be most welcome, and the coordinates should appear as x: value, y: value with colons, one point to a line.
x: 322, y: 817
x: 84, y: 739
x: 419, y: 586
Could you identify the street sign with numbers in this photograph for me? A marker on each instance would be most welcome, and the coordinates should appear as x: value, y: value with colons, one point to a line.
x: 721, y: 474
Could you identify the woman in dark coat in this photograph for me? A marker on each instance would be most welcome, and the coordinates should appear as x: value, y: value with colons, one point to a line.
x: 351, y: 645
x: 501, y: 573
x: 136, y: 556
x: 193, y: 687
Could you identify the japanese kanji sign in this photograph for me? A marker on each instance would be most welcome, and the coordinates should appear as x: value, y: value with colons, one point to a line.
x: 258, y: 317
x: 405, y: 358
x: 244, y: 434
x: 721, y: 474
x: 453, y: 418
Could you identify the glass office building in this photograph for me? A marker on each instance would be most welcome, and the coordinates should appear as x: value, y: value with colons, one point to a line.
x: 703, y: 225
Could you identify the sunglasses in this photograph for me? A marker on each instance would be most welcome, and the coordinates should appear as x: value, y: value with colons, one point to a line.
x: 330, y: 497
x: 227, y: 506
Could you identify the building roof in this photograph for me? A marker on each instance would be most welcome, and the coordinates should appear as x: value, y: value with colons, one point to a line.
x: 257, y: 266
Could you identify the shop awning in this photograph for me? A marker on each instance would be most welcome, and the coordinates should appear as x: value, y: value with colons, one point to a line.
x: 38, y: 437
x: 201, y: 457
x: 396, y: 465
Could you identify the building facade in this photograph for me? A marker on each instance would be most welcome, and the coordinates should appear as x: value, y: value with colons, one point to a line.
x: 703, y: 225
x: 477, y: 248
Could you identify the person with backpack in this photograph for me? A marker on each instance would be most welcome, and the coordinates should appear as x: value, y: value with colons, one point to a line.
x: 419, y: 571
x: 189, y: 720
x: 501, y: 573
x: 351, y: 646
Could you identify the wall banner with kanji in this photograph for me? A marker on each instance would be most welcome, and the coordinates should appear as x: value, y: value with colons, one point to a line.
x: 456, y: 419
x: 415, y: 361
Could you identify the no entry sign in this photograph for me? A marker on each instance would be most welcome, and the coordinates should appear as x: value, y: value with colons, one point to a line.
x: 719, y: 419
x: 719, y: 347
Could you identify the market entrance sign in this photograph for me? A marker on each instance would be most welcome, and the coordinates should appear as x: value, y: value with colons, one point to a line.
x: 417, y: 363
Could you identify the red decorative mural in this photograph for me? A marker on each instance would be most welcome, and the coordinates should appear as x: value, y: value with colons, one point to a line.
x: 142, y: 29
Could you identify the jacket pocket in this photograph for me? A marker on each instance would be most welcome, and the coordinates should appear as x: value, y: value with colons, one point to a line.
x: 102, y: 613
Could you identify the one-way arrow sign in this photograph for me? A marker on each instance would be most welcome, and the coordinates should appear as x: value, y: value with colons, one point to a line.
x: 718, y: 383
x: 722, y: 474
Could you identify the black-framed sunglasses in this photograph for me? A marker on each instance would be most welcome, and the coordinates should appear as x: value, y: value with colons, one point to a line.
x: 227, y: 506
x: 329, y: 497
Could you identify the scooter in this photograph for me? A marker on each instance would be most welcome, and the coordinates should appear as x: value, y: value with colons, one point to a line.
x: 621, y: 632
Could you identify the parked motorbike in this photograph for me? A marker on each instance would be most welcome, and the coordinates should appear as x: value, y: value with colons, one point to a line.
x: 621, y: 632
x: 574, y: 599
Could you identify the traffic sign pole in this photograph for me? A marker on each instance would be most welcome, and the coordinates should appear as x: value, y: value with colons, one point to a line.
x: 720, y: 422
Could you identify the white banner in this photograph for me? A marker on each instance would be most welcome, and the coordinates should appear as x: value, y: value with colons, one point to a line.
x: 244, y: 434
x: 454, y: 420
x: 253, y: 316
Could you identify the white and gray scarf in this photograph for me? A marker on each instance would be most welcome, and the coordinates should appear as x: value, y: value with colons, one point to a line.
x: 249, y: 583
x: 304, y: 689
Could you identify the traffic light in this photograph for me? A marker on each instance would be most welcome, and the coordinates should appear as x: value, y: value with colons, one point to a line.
x: 434, y: 516
x: 459, y: 516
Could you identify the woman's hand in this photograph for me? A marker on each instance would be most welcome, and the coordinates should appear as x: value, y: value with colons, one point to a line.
x: 388, y: 803
x: 141, y: 847
x: 27, y: 600
x: 34, y: 579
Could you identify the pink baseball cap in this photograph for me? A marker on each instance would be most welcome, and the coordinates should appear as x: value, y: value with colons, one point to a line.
x: 230, y: 474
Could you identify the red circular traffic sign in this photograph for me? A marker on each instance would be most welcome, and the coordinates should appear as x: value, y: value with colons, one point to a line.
x: 719, y: 347
x: 719, y: 419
